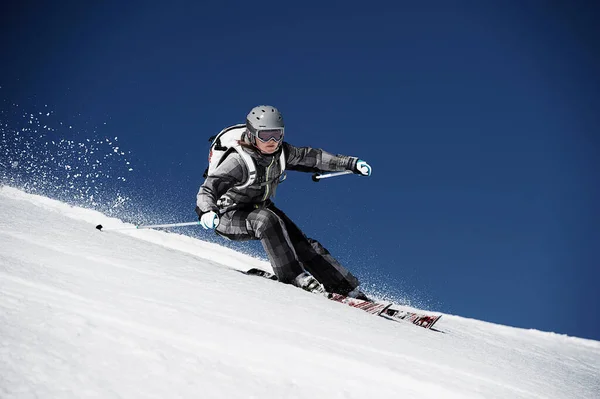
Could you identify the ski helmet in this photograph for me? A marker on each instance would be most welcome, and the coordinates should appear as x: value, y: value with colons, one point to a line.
x: 263, y: 117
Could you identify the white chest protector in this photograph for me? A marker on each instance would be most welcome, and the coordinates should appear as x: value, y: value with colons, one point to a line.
x: 225, y: 142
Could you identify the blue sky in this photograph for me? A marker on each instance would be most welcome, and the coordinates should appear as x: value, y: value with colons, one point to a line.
x: 480, y: 120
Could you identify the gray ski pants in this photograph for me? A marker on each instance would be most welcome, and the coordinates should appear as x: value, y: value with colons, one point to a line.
x: 289, y: 250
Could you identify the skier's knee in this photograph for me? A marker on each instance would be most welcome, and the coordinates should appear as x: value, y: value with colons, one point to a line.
x: 266, y: 224
x: 317, y: 247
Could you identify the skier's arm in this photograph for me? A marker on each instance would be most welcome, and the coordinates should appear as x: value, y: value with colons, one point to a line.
x: 230, y: 173
x: 307, y: 159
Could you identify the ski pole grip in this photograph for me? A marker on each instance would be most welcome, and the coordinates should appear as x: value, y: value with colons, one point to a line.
x: 315, y: 178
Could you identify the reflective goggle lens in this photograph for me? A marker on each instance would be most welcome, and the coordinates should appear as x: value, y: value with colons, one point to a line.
x: 270, y: 134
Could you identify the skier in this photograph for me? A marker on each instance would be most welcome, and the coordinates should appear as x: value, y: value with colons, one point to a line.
x: 241, y: 209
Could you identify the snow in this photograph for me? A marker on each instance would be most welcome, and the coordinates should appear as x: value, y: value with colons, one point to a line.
x: 150, y: 314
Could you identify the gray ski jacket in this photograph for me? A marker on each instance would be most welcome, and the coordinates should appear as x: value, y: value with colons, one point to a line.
x: 219, y: 193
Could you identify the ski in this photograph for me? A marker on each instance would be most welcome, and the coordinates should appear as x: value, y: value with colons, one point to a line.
x: 371, y: 307
x: 388, y: 311
x: 260, y: 273
x: 418, y: 319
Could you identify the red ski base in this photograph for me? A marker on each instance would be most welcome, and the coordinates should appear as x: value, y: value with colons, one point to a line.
x: 421, y: 320
x: 368, y: 306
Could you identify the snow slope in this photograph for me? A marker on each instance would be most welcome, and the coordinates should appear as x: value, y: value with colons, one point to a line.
x: 149, y: 314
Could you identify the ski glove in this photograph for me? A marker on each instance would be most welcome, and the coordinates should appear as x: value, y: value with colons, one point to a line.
x: 209, y: 220
x: 363, y: 168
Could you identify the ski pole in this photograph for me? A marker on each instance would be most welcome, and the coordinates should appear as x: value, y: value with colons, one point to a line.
x: 317, y: 177
x: 150, y: 226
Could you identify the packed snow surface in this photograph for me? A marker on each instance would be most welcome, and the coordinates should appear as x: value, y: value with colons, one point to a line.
x: 150, y: 314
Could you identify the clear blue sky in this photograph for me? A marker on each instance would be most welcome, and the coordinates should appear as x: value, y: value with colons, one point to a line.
x: 480, y: 120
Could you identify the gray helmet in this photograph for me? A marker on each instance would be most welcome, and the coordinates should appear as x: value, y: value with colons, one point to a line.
x: 262, y: 117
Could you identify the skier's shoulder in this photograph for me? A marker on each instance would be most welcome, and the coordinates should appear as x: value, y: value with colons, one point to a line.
x: 293, y: 152
x: 288, y: 148
x: 232, y: 160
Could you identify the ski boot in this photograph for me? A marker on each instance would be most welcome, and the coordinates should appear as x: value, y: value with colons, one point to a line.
x: 307, y: 282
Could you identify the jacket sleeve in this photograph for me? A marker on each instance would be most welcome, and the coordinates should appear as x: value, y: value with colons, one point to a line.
x: 307, y: 159
x: 228, y: 174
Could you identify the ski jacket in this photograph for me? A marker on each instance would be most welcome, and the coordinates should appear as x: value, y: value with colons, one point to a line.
x: 219, y: 192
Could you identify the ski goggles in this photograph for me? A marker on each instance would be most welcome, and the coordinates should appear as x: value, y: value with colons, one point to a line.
x: 265, y: 135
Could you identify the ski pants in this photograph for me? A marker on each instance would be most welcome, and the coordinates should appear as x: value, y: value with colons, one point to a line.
x: 289, y: 250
